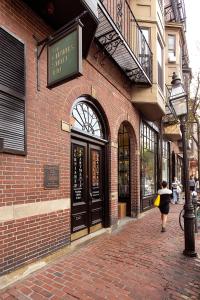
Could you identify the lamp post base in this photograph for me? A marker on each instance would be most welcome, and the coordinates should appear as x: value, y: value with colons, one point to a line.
x: 189, y: 219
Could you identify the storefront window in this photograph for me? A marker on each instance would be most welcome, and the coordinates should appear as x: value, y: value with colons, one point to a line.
x: 165, y: 161
x: 148, y: 160
x: 179, y: 168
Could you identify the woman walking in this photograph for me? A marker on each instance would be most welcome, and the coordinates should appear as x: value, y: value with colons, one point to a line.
x: 165, y: 199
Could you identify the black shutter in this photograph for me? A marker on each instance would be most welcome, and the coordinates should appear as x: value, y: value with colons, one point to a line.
x: 12, y: 122
x: 12, y: 91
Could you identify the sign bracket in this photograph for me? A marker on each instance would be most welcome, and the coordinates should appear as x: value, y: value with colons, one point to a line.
x: 41, y: 44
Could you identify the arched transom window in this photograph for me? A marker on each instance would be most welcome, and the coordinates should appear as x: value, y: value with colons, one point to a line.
x: 86, y: 119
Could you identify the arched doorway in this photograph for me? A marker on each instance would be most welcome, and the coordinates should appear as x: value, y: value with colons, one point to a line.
x: 124, y: 190
x: 88, y: 169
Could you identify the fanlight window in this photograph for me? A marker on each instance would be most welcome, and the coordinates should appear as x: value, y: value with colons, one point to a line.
x: 86, y: 120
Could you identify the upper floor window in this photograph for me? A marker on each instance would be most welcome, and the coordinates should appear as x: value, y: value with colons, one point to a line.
x: 12, y: 94
x: 146, y: 33
x: 144, y: 40
x: 160, y: 63
x: 171, y: 48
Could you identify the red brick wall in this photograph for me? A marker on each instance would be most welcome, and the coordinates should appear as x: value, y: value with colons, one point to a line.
x: 26, y: 239
x: 21, y: 177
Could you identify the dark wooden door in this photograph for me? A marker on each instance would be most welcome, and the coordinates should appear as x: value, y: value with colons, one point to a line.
x: 95, y: 188
x: 79, y: 217
x: 86, y: 189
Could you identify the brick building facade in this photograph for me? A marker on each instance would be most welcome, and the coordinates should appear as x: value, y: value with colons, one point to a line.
x: 36, y: 219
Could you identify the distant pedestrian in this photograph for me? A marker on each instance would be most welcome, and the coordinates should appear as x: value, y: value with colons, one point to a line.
x: 197, y: 185
x: 192, y: 183
x: 176, y: 189
x: 165, y: 199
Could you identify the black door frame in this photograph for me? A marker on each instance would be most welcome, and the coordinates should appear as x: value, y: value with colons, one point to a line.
x: 92, y: 202
x: 81, y: 137
x: 81, y: 209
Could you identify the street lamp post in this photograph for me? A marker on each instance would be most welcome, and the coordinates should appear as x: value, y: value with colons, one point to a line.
x: 179, y: 106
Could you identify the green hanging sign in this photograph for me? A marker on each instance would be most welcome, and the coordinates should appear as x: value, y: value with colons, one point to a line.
x: 65, y: 57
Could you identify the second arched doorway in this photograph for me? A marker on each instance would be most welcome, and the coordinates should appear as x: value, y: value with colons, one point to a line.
x: 124, y: 174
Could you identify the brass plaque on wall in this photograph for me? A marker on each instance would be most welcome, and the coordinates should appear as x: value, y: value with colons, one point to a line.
x: 51, y: 176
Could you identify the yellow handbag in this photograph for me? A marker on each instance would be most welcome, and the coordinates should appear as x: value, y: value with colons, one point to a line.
x: 157, y: 201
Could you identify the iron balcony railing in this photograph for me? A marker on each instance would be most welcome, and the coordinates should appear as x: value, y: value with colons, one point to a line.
x: 175, y: 11
x: 169, y: 117
x: 125, y: 22
x: 160, y: 2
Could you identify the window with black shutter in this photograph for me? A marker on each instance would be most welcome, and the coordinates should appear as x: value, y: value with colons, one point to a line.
x: 12, y: 94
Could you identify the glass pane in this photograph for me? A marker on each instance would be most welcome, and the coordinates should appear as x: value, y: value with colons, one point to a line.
x: 120, y: 140
x: 124, y: 129
x: 165, y: 169
x: 126, y: 139
x: 142, y: 129
x: 171, y: 42
x: 145, y: 130
x: 78, y: 171
x: 145, y: 32
x: 148, y: 168
x: 159, y: 53
x: 121, y: 152
x: 126, y: 152
x: 86, y: 119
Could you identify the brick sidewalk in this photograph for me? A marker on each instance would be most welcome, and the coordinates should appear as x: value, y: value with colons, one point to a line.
x: 136, y: 262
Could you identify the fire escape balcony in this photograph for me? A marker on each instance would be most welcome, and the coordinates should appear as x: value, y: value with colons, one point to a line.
x: 120, y: 37
x: 175, y: 11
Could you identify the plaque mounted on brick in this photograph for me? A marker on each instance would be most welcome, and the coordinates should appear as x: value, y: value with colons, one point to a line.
x: 51, y: 176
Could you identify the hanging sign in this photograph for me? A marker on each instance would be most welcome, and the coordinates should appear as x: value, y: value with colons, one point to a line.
x: 65, y: 56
